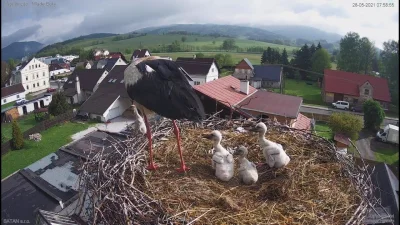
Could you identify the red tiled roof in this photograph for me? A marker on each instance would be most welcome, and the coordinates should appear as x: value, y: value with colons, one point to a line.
x: 222, y: 90
x: 273, y: 103
x: 349, y: 83
x: 302, y: 122
x: 342, y: 139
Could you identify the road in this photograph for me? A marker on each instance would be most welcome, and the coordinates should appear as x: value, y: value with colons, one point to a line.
x: 328, y: 111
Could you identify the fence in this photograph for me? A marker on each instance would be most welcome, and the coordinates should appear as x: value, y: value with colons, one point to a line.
x: 44, y: 125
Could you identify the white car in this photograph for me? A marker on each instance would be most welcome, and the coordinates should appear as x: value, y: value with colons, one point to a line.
x: 20, y: 101
x: 341, y: 105
x: 63, y: 80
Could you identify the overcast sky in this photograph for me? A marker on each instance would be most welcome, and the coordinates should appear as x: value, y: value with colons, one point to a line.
x: 58, y: 20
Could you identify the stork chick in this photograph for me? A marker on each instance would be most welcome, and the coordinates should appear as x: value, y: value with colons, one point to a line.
x: 222, y: 160
x: 273, y: 152
x: 247, y: 171
x: 139, y: 123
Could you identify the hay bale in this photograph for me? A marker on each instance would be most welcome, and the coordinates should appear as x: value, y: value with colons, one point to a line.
x: 317, y: 187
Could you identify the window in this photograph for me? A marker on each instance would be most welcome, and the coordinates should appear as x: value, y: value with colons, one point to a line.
x: 197, y: 83
x: 5, y: 100
x: 37, y: 75
x: 212, y: 70
x: 33, y: 85
x: 366, y: 91
x: 44, y: 82
x: 26, y: 78
x: 44, y: 74
x: 38, y: 84
x: 39, y: 65
x: 110, y: 80
x: 122, y: 81
x: 36, y: 66
x: 27, y: 87
x: 29, y: 67
x: 17, y: 96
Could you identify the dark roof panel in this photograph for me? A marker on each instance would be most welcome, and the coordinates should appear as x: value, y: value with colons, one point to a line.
x: 107, y: 92
x: 87, y: 78
x: 197, y: 66
x: 268, y: 72
x: 12, y: 90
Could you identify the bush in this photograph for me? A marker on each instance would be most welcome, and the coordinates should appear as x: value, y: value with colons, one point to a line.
x: 58, y: 105
x: 373, y: 114
x: 346, y: 123
x: 17, y: 141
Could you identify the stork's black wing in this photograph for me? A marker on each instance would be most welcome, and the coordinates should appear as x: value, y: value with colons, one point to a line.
x: 166, y: 91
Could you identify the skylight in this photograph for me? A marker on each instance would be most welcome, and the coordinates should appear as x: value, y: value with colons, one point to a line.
x: 122, y: 81
x: 110, y: 80
x: 114, y: 80
x: 70, y: 82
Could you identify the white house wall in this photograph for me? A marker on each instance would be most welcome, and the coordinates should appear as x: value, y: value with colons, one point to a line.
x: 30, y: 106
x: 35, y: 73
x: 122, y: 103
x: 212, y: 74
x: 12, y: 98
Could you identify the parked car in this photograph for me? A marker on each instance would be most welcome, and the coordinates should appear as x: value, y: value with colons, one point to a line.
x: 389, y: 134
x: 51, y: 90
x: 82, y: 115
x: 20, y: 101
x: 341, y: 105
x: 357, y: 108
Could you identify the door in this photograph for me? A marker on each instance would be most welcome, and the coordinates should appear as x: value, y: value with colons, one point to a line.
x: 41, y: 104
x: 24, y: 111
x: 338, y: 97
x: 36, y: 105
x: 113, y: 113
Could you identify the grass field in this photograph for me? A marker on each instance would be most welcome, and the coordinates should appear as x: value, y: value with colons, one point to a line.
x: 311, y: 94
x: 24, y: 123
x: 322, y: 129
x: 389, y: 155
x: 52, y: 140
x: 7, y: 105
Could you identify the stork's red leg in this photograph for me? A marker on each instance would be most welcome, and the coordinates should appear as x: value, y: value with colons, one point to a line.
x: 151, y: 166
x: 183, y: 167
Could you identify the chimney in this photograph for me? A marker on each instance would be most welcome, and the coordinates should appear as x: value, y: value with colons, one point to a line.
x: 78, y: 88
x: 244, y: 86
x: 194, y: 56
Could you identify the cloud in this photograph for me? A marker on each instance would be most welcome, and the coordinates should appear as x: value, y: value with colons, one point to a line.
x: 19, y: 35
x: 72, y: 18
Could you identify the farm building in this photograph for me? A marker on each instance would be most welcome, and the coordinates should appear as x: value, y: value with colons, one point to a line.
x: 201, y: 70
x: 260, y: 76
x: 81, y: 84
x: 354, y: 88
x: 140, y: 53
x: 12, y: 93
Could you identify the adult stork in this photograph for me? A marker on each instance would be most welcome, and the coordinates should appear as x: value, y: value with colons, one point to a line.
x: 159, y: 86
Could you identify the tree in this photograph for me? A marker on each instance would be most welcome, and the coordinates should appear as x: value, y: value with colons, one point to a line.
x: 320, y: 61
x: 264, y: 57
x: 390, y: 68
x: 128, y: 51
x: 213, y: 42
x: 349, y: 59
x: 200, y: 55
x: 285, y: 61
x: 367, y: 53
x: 319, y: 46
x: 5, y: 73
x: 224, y: 59
x: 58, y: 105
x: 373, y: 114
x: 313, y: 49
x: 12, y: 64
x: 269, y: 55
x: 346, y: 123
x: 303, y: 60
x: 228, y: 44
x: 17, y: 141
x: 183, y: 39
x: 175, y: 46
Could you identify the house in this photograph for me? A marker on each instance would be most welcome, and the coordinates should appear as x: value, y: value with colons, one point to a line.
x: 201, y: 70
x: 100, y: 53
x: 50, y: 186
x: 342, y: 142
x: 140, y: 53
x: 81, y: 84
x: 15, y: 111
x: 237, y: 97
x: 12, y: 93
x: 117, y: 55
x: 85, y: 65
x: 33, y: 75
x: 56, y: 69
x: 354, y: 88
x: 260, y: 76
x: 71, y: 57
x: 108, y: 64
x: 111, y: 98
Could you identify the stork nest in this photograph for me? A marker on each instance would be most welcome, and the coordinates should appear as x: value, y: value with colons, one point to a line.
x: 318, y: 186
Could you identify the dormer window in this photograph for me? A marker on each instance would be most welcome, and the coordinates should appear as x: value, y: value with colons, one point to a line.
x: 366, y: 91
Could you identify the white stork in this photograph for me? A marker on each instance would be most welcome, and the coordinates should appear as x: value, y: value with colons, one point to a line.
x: 159, y: 86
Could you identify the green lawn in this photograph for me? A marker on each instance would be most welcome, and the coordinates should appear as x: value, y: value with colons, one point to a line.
x: 311, y: 94
x: 389, y: 155
x: 52, y: 140
x: 25, y: 123
x: 7, y: 105
x: 322, y: 129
